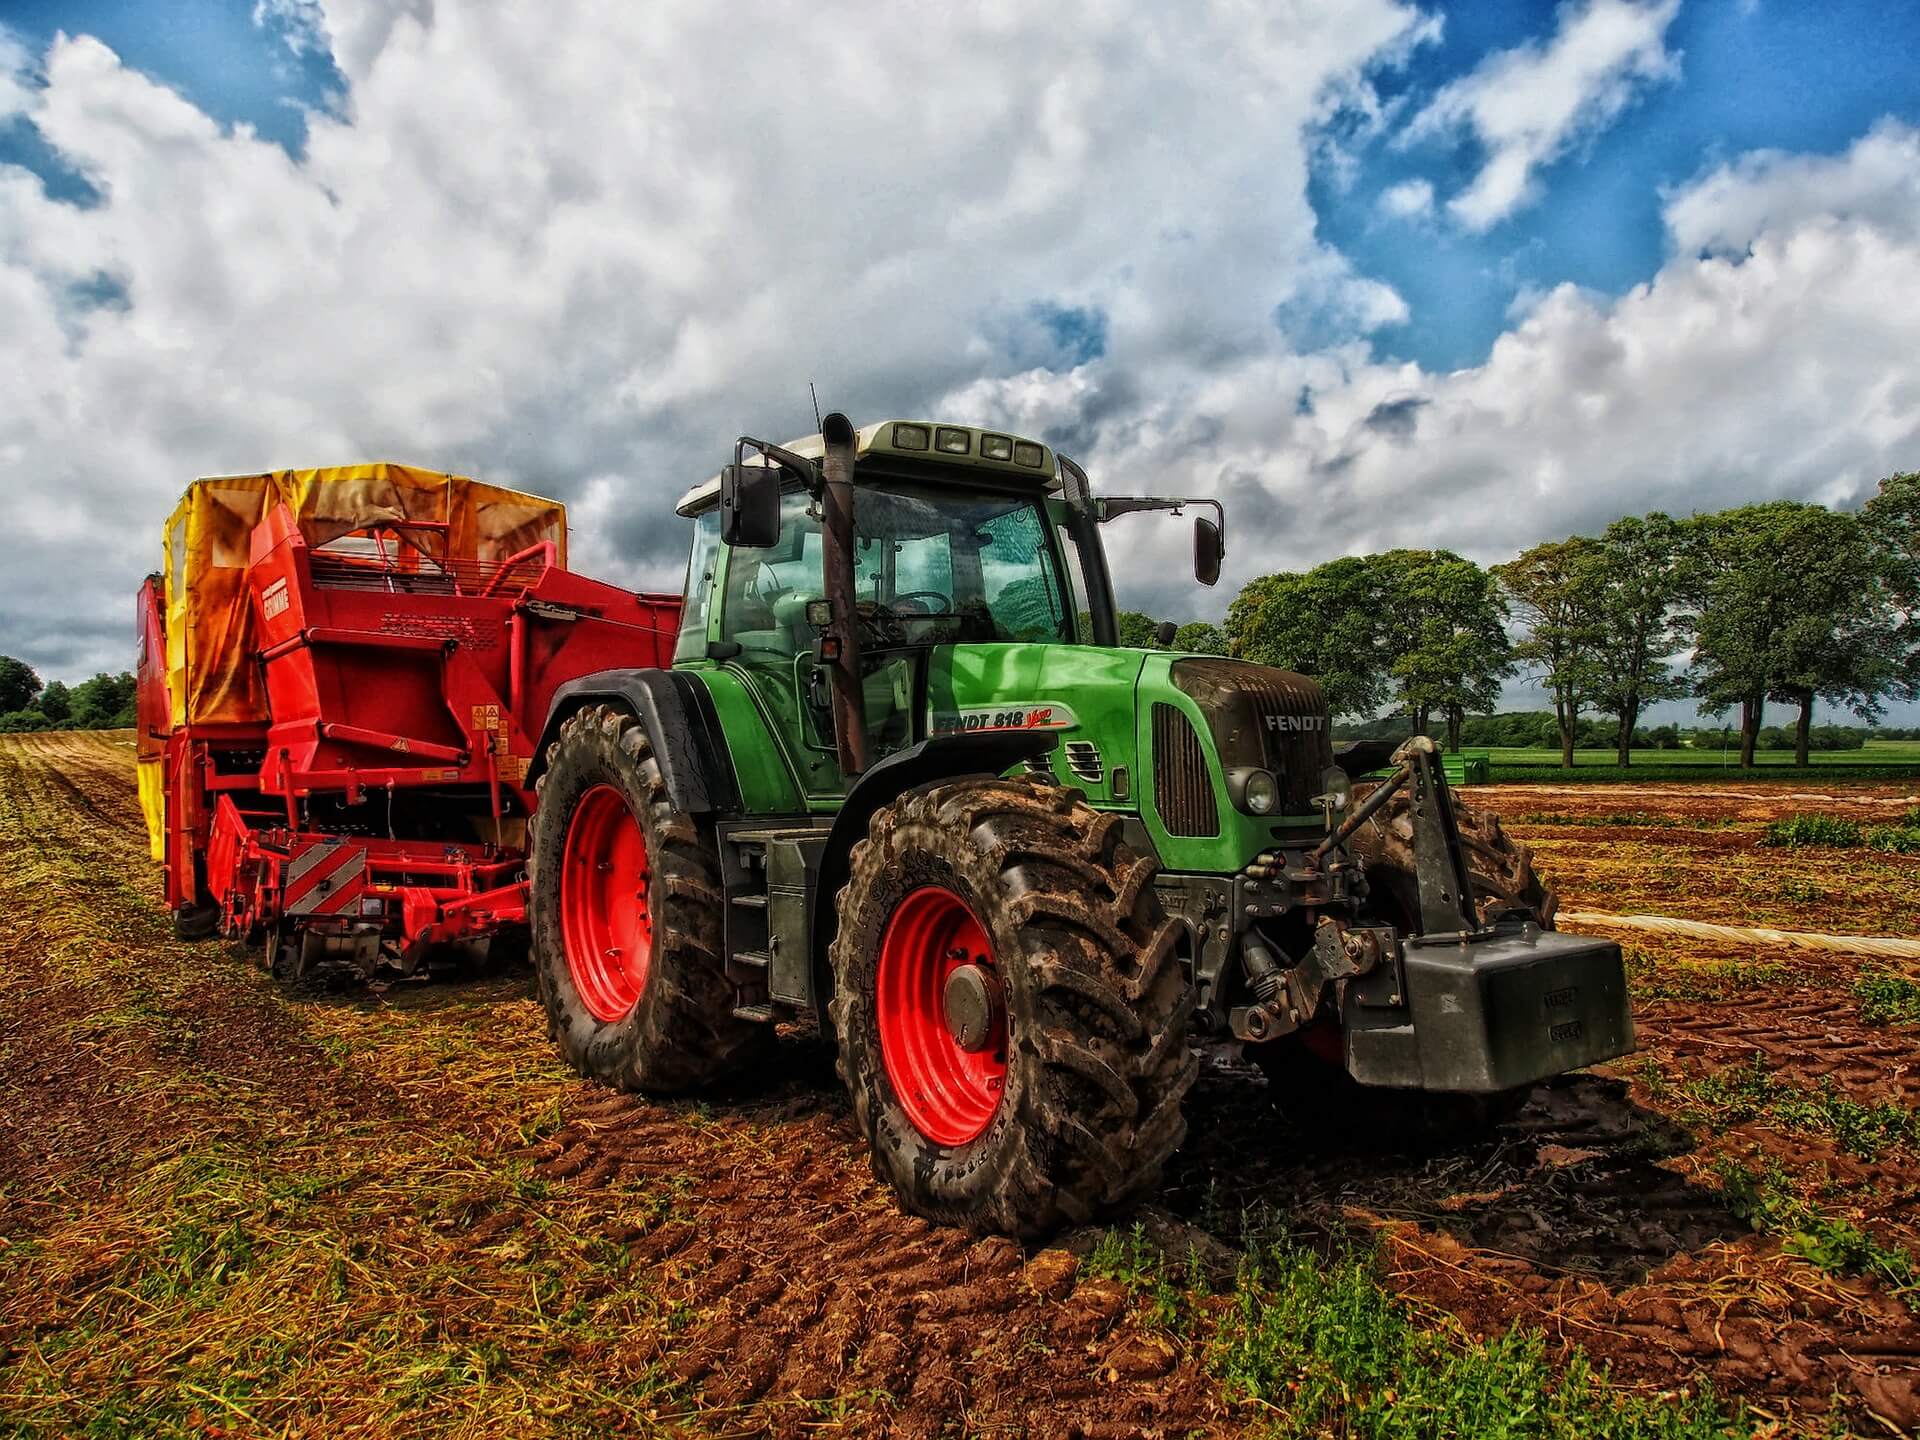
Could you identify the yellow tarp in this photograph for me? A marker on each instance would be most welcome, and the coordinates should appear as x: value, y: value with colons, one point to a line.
x: 153, y: 804
x: 210, y: 667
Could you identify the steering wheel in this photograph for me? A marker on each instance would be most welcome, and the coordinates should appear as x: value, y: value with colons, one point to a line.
x: 935, y: 602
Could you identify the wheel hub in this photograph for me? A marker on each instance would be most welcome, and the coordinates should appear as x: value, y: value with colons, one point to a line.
x: 973, y: 1004
x: 941, y: 1014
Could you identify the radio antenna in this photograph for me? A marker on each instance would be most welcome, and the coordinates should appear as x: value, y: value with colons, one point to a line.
x: 816, y: 404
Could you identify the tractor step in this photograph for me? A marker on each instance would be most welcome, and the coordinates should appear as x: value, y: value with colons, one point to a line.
x: 761, y: 1013
x: 749, y: 901
x: 755, y: 959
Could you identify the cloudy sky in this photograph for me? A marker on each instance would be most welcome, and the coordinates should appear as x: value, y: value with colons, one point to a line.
x: 1377, y: 273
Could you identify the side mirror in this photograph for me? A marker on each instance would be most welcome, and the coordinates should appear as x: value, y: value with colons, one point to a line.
x: 1208, y: 550
x: 1163, y: 634
x: 750, y: 506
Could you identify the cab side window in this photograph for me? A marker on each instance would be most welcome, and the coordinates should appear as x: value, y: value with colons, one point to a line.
x: 692, y: 644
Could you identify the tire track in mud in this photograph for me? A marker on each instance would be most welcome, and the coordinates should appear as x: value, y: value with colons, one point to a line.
x: 1816, y: 1039
x: 809, y: 1282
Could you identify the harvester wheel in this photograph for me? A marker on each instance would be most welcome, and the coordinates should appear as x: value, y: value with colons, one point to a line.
x: 1011, y: 1012
x: 197, y: 922
x: 626, y: 916
x: 1306, y: 1072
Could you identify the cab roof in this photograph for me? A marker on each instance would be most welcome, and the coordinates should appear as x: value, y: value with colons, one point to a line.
x: 989, y: 452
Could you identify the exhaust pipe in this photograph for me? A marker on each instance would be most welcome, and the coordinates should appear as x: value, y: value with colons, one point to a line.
x: 842, y: 638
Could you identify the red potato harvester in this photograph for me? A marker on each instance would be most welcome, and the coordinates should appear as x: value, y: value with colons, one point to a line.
x: 343, y: 673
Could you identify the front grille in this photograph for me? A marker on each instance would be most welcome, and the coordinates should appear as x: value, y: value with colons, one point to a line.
x: 1182, y: 784
x: 1263, y: 717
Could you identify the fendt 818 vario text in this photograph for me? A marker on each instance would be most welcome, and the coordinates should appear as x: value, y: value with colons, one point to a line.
x: 883, y: 767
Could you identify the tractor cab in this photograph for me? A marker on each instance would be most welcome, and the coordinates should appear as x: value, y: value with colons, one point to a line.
x: 969, y: 555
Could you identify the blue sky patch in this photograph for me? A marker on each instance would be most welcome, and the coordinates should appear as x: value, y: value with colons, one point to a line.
x: 1766, y: 75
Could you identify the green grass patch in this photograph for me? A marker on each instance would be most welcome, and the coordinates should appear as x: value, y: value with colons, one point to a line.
x: 1888, y: 998
x: 1755, y: 1092
x: 1902, y: 837
x: 1323, y: 1348
x: 1800, y: 830
x: 1766, y: 1200
x: 1138, y: 1265
x: 1543, y: 768
x: 1652, y: 978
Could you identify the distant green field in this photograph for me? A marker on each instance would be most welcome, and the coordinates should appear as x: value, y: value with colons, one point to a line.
x: 1876, y: 760
x: 1874, y: 752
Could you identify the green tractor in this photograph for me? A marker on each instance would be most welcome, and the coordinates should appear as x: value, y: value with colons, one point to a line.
x: 901, y: 781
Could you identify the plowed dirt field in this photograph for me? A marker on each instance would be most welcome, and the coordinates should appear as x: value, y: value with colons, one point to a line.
x: 224, y: 1211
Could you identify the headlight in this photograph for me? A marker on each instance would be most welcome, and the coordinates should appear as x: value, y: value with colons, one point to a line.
x: 1259, y: 792
x: 1335, y: 786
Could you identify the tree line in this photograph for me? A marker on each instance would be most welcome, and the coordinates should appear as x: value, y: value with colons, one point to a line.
x: 106, y: 702
x: 1780, y: 603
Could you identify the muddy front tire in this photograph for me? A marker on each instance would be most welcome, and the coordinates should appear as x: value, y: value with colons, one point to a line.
x: 1501, y: 868
x: 1308, y: 1079
x: 1011, y: 1013
x: 625, y: 912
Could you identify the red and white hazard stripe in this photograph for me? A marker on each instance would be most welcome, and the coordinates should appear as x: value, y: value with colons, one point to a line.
x: 324, y: 879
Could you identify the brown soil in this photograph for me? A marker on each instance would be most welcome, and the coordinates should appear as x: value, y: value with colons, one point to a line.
x: 447, y: 1233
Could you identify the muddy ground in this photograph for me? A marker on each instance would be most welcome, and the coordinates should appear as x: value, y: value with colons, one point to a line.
x: 227, y: 1212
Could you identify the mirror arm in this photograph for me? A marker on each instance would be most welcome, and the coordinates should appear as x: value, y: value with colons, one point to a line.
x: 1111, y: 507
x: 799, y: 465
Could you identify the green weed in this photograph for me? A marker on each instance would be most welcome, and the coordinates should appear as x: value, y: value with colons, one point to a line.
x: 1754, y: 1092
x: 1902, y: 837
x: 1765, y: 1200
x: 1142, y: 1269
x: 1324, y: 1344
x: 1888, y: 998
x: 1801, y: 830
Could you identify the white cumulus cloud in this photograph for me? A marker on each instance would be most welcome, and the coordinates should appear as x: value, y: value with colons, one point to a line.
x: 1526, y: 106
x: 1787, y: 369
x: 581, y: 249
x: 1407, y: 200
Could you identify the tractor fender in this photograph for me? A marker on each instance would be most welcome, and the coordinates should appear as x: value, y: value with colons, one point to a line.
x: 681, y: 724
x: 939, y: 757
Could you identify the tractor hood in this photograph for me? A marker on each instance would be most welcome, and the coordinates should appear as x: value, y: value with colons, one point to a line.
x: 1171, y: 737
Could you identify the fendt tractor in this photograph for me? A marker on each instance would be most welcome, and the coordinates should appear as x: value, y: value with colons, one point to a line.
x: 897, y: 778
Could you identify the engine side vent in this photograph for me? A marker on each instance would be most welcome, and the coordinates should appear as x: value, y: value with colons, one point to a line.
x: 1083, y: 759
x: 1182, y: 786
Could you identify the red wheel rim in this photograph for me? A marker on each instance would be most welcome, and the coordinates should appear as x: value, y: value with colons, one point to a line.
x: 605, y: 925
x: 949, y: 1093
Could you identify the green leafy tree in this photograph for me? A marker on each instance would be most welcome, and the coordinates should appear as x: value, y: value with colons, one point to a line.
x: 1893, y: 525
x: 1444, y: 623
x: 1201, y: 637
x: 1135, y: 630
x: 1325, y: 622
x: 56, y: 702
x: 1558, y: 590
x: 1791, y: 602
x: 1638, y: 634
x: 106, y: 702
x: 18, y: 684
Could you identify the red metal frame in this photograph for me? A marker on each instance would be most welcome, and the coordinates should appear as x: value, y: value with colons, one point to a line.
x: 386, y: 786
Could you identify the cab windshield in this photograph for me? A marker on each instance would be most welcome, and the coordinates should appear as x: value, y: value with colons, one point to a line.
x: 930, y: 567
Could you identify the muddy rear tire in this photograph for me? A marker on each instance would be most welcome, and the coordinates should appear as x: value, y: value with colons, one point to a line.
x: 1064, y: 1099
x: 625, y: 911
